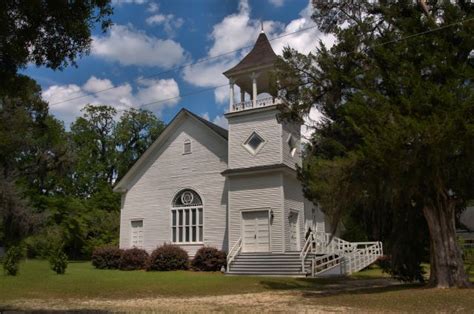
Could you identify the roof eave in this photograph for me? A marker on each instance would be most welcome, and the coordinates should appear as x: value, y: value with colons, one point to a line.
x: 122, y: 185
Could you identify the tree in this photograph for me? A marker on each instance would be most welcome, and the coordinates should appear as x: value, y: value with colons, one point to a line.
x: 397, y: 136
x: 32, y: 149
x: 135, y: 132
x: 32, y: 142
x: 49, y: 33
x: 94, y: 149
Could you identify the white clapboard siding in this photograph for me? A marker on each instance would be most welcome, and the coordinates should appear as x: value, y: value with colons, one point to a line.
x: 265, y: 124
x: 257, y: 192
x: 292, y: 129
x: 294, y: 201
x: 169, y: 170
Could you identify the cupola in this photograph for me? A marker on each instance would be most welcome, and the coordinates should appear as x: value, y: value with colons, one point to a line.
x: 252, y: 75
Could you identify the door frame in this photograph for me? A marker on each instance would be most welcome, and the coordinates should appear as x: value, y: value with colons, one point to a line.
x: 257, y: 209
x: 298, y: 228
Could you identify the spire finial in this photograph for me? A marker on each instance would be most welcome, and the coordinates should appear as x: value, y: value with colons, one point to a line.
x: 261, y: 27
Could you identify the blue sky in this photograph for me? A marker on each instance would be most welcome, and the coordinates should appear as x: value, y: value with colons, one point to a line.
x: 150, y: 37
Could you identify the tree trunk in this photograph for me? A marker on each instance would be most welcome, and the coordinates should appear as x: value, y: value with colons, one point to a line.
x: 447, y: 267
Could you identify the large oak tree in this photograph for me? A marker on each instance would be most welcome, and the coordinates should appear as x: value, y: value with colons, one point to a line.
x: 397, y: 135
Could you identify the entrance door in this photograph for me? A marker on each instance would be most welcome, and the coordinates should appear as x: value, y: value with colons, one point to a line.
x: 256, y: 234
x: 294, y: 238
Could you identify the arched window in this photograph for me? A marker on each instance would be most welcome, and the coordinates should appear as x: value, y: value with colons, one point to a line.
x: 187, y: 217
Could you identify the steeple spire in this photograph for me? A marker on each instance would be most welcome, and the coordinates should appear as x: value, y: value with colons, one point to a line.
x: 261, y: 26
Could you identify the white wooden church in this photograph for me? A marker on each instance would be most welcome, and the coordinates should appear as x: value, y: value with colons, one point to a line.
x: 236, y: 190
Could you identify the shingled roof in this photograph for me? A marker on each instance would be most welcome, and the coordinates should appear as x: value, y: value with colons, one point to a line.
x: 261, y: 54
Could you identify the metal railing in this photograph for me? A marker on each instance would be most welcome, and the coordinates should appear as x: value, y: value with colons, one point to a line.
x: 233, y: 252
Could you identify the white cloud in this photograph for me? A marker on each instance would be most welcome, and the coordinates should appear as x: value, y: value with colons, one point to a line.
x: 276, y: 3
x: 169, y: 22
x: 153, y: 7
x: 303, y: 40
x: 120, y: 2
x: 219, y: 120
x: 311, y: 120
x: 240, y: 30
x: 232, y: 33
x: 205, y: 115
x: 121, y: 97
x: 129, y: 46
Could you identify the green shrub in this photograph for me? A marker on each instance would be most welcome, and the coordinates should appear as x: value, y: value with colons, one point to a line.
x: 11, y: 261
x: 58, y: 260
x: 168, y: 257
x: 133, y: 259
x: 209, y: 259
x: 41, y: 244
x: 107, y: 257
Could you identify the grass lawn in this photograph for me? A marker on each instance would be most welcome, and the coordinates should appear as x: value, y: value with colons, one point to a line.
x: 83, y: 287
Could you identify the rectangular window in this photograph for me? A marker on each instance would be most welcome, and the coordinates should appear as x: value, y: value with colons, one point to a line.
x: 137, y: 233
x: 187, y: 147
x: 187, y: 225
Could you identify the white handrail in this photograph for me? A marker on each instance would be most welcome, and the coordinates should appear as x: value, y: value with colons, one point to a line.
x: 362, y: 258
x: 326, y: 262
x: 260, y: 102
x: 233, y: 252
x: 352, y: 256
x: 308, y: 245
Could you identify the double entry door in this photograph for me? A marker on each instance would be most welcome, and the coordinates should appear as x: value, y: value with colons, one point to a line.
x: 256, y: 231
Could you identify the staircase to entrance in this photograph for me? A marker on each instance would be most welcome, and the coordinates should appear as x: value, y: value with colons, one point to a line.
x: 270, y: 264
x: 322, y: 255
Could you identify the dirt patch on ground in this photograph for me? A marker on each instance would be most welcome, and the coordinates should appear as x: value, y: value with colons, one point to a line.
x: 253, y: 302
x: 282, y: 301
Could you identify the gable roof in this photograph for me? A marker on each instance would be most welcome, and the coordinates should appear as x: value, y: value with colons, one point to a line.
x: 221, y: 132
x: 261, y: 54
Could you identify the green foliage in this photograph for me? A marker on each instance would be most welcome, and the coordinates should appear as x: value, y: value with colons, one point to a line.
x: 11, y: 260
x: 73, y: 200
x: 53, y: 34
x: 209, y: 259
x: 134, y: 133
x: 56, y: 185
x: 58, y: 260
x: 396, y: 139
x: 107, y: 257
x: 43, y: 242
x: 168, y: 257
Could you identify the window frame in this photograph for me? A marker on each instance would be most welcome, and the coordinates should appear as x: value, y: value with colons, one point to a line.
x: 187, y: 142
x: 187, y: 222
x: 249, y: 148
x: 293, y: 148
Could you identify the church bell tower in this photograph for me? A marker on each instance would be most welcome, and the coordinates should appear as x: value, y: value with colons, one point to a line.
x: 265, y: 203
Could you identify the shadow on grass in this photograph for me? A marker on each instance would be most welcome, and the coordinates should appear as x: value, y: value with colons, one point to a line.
x: 322, y: 287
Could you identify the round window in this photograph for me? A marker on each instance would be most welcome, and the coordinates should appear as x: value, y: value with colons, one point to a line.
x: 187, y: 198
